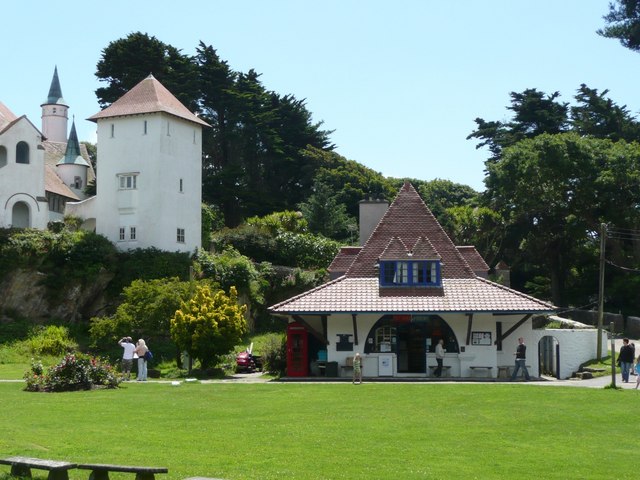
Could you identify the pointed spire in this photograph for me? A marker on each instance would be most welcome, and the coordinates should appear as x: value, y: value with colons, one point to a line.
x: 72, y: 154
x: 55, y: 91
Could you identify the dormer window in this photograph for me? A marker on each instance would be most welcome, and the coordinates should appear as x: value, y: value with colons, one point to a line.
x: 421, y: 273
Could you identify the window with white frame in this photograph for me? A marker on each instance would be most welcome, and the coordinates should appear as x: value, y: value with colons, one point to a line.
x: 128, y: 181
x: 121, y: 237
x: 181, y: 187
x: 132, y: 233
x: 414, y: 273
x: 180, y: 235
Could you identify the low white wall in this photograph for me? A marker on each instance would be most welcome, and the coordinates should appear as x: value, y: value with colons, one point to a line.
x: 576, y: 347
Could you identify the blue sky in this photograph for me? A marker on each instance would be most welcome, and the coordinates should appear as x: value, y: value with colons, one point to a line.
x: 399, y: 81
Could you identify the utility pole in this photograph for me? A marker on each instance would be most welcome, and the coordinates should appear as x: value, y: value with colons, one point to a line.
x: 603, y: 239
x: 613, y: 357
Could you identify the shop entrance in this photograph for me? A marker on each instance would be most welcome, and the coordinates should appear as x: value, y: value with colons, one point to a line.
x: 412, y: 348
x: 412, y: 338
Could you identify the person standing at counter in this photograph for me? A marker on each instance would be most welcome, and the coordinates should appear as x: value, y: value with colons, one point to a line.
x: 357, y: 368
x: 440, y: 351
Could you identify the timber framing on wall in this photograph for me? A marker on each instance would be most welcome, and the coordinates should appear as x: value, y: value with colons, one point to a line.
x: 515, y: 327
x: 355, y: 328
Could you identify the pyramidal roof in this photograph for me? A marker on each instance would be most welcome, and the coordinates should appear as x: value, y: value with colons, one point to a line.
x: 148, y: 96
x: 410, y: 221
x: 55, y: 91
x: 72, y: 154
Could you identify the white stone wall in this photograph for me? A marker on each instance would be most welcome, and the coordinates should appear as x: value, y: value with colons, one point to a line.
x: 169, y: 151
x: 576, y: 346
x: 55, y: 121
x: 23, y: 182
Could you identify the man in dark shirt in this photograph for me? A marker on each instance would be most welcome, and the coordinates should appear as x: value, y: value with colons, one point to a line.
x: 625, y: 359
x: 521, y: 358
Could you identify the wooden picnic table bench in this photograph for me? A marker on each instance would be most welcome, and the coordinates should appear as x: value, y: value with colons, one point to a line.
x: 100, y: 471
x: 21, y: 467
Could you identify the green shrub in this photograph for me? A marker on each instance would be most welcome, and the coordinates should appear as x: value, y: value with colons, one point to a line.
x: 274, y: 354
x: 74, y: 372
x: 149, y: 264
x: 50, y: 340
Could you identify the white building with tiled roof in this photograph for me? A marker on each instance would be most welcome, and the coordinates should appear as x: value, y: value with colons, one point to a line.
x: 37, y: 178
x: 150, y: 182
x: 406, y: 288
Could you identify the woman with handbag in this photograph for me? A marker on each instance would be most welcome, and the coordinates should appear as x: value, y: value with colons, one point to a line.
x: 141, y: 350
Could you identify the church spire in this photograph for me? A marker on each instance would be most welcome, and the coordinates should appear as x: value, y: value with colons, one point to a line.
x: 72, y: 154
x: 55, y: 91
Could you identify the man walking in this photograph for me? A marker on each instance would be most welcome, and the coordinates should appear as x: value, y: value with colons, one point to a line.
x: 625, y: 359
x: 521, y: 360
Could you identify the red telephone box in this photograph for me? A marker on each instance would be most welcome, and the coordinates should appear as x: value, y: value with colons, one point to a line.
x: 297, y: 351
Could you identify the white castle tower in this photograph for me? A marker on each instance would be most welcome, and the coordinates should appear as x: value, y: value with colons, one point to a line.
x: 149, y: 186
x: 55, y: 113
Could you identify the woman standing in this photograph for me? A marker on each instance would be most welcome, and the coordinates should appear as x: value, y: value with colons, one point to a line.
x: 141, y: 349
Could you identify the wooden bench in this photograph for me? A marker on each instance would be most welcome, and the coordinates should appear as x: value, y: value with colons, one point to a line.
x: 503, y: 369
x: 21, y: 467
x: 100, y: 471
x: 477, y: 368
x: 446, y: 369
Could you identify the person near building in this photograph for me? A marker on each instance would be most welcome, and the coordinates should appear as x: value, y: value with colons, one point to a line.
x: 625, y: 359
x: 357, y: 368
x: 440, y: 351
x: 521, y: 361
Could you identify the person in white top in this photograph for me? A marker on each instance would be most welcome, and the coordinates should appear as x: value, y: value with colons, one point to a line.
x: 439, y: 358
x: 127, y: 355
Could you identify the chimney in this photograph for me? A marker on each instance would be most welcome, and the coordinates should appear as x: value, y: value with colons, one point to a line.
x: 371, y: 212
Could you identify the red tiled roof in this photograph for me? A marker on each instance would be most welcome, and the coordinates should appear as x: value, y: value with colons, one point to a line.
x: 408, y: 221
x: 395, y: 250
x: 424, y: 250
x: 6, y: 116
x: 473, y: 258
x: 344, y: 259
x: 54, y: 184
x: 408, y: 218
x: 362, y: 295
x: 148, y: 96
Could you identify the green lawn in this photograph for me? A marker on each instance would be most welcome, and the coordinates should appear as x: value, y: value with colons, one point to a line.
x: 329, y: 431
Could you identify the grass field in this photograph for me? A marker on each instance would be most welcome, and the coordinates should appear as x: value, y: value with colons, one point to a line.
x: 329, y: 431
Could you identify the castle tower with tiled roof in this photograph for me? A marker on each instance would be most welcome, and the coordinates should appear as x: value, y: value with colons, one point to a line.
x: 150, y: 182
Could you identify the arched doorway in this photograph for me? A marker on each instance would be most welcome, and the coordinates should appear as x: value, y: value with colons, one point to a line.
x: 20, y: 217
x: 549, y: 356
x: 411, y: 338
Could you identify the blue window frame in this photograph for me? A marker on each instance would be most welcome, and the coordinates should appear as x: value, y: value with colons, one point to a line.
x: 410, y: 273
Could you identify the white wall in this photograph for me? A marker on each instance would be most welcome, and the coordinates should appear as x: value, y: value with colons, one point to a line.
x: 23, y: 182
x: 170, y: 150
x: 576, y: 347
